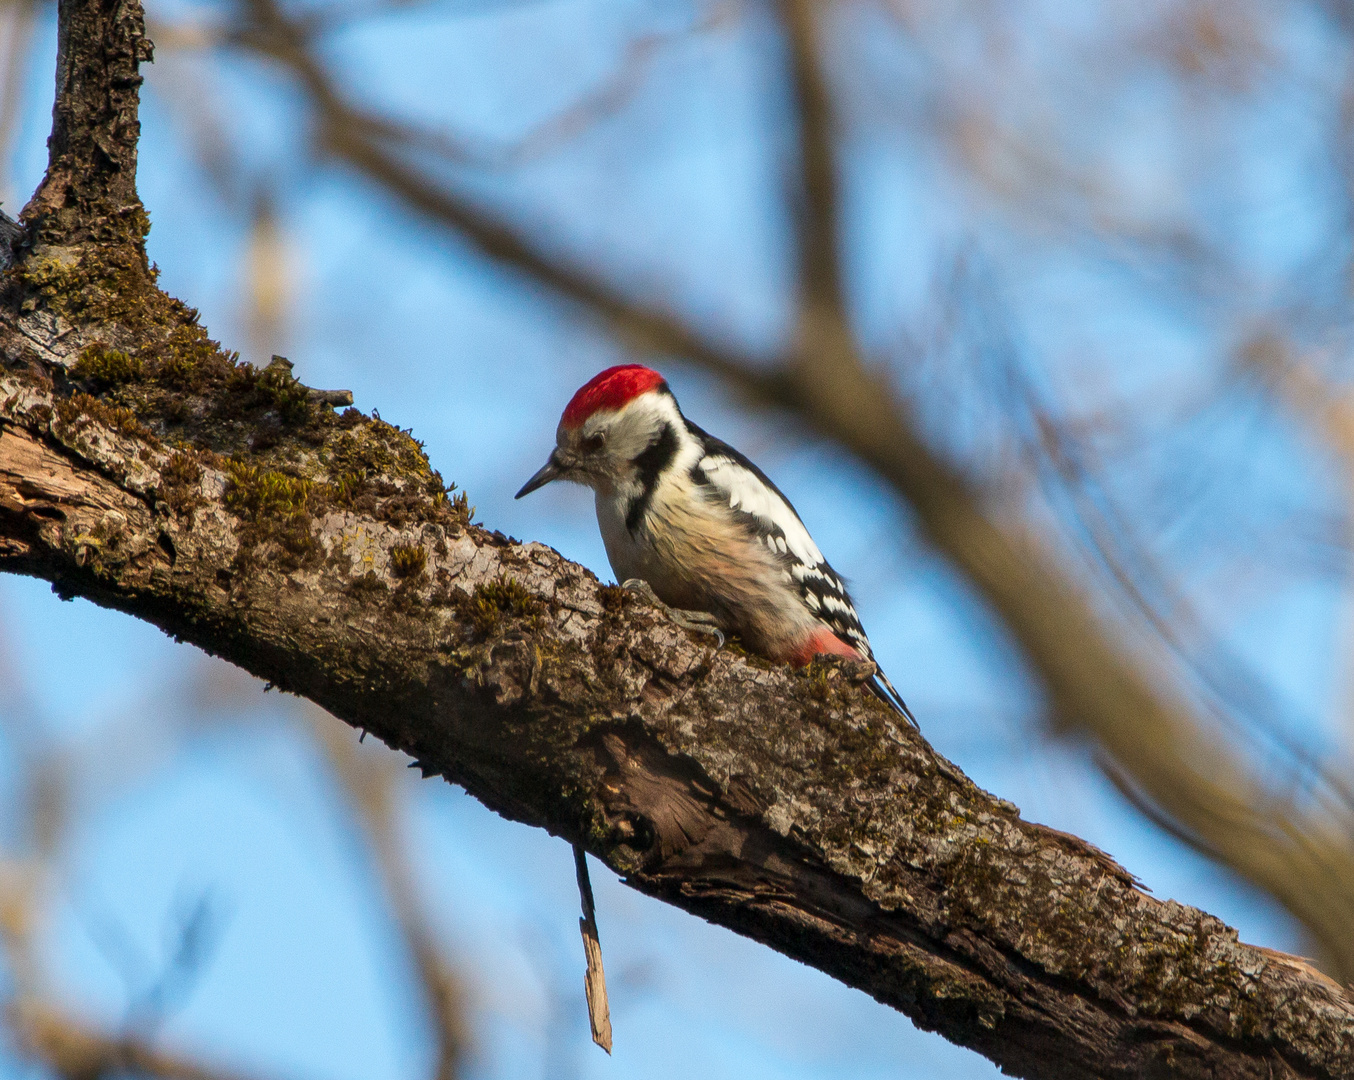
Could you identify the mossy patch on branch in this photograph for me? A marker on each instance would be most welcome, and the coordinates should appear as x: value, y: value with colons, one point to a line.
x: 154, y: 374
x: 107, y: 368
x: 276, y: 508
x: 256, y: 491
x: 486, y: 607
x: 181, y: 483
x: 368, y: 587
x: 613, y: 598
x: 408, y: 560
x: 378, y: 469
x: 114, y: 285
x: 80, y: 410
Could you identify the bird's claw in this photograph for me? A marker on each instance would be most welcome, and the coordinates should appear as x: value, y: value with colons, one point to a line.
x: 639, y: 585
x: 701, y: 622
x: 698, y: 621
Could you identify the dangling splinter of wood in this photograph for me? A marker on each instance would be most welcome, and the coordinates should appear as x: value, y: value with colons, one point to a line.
x: 594, y: 982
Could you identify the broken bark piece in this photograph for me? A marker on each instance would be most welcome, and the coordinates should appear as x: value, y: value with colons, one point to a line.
x: 282, y: 367
x: 594, y: 981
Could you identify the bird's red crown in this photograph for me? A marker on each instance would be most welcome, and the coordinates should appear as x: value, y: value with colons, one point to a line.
x: 611, y: 389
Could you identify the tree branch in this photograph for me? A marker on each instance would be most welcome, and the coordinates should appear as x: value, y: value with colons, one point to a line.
x: 788, y: 807
x: 89, y: 192
x: 146, y: 470
x: 1095, y: 682
x: 814, y: 190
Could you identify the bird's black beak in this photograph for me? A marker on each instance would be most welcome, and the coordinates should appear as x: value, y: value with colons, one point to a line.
x: 551, y: 471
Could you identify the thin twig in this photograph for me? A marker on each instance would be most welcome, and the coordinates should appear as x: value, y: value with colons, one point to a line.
x: 594, y: 982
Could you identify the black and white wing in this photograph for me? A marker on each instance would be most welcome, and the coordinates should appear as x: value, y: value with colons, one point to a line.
x: 750, y: 492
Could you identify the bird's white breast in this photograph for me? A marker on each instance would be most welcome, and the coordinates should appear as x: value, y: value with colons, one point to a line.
x: 696, y: 555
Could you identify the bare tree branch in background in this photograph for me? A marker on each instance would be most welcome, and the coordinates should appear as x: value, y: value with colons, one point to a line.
x: 77, y: 1052
x: 372, y: 781
x: 21, y: 20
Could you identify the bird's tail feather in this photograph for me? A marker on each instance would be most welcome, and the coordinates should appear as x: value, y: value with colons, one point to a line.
x: 884, y: 690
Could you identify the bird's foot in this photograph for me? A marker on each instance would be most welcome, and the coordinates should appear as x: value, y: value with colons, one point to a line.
x: 701, y: 622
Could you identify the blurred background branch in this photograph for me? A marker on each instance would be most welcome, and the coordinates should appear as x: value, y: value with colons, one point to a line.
x: 372, y: 780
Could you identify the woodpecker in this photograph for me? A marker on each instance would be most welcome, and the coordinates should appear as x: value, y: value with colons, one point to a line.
x: 699, y: 523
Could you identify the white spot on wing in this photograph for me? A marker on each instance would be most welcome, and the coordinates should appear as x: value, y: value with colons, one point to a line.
x: 746, y: 492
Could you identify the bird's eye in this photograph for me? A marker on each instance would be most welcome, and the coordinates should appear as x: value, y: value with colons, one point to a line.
x: 593, y: 443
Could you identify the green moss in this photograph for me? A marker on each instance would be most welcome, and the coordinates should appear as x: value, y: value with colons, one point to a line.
x: 485, y: 608
x: 613, y: 598
x: 734, y: 646
x: 407, y: 560
x: 817, y: 677
x: 158, y: 375
x: 381, y: 470
x: 345, y: 490
x: 375, y: 448
x: 262, y: 492
x: 116, y: 286
x: 182, y: 468
x: 276, y: 508
x: 156, y: 352
x: 368, y: 587
x: 80, y: 410
x: 284, y: 393
x: 458, y: 503
x: 187, y: 359
x: 107, y: 368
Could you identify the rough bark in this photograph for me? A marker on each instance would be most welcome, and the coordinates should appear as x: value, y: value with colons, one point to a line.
x: 145, y: 469
x: 89, y: 192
